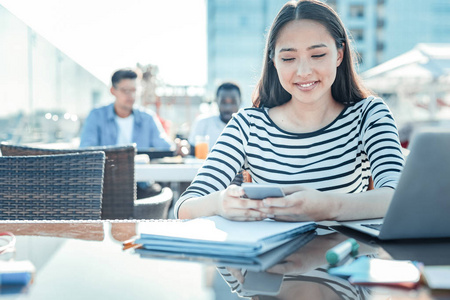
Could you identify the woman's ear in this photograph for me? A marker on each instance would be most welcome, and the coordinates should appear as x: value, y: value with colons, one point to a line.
x: 340, y: 55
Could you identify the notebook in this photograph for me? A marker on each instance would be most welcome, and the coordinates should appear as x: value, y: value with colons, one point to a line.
x: 421, y: 203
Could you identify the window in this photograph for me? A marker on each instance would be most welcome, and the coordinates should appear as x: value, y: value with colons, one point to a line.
x: 356, y: 11
x: 357, y: 34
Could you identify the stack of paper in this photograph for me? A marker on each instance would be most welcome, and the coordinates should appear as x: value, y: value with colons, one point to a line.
x: 225, y: 241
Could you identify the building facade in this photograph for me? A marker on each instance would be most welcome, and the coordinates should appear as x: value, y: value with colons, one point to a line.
x: 364, y: 20
x: 380, y: 30
x: 236, y: 35
x: 410, y: 22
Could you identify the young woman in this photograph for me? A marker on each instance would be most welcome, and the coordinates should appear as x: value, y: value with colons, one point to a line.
x: 314, y: 129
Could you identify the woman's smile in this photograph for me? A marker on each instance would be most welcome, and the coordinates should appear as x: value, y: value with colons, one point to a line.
x: 307, y: 86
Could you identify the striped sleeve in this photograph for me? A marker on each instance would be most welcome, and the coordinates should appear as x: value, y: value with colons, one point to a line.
x: 381, y: 144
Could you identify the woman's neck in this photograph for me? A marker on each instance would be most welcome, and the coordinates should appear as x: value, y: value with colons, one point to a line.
x: 301, y: 118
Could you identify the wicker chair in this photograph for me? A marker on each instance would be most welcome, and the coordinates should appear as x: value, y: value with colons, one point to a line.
x: 51, y: 187
x: 119, y: 188
x: 156, y: 207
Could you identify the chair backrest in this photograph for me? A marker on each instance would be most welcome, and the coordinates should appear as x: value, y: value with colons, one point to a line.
x: 119, y: 188
x: 52, y: 187
x: 155, y: 207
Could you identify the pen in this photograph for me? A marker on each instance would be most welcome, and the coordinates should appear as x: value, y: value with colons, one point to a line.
x: 129, y: 244
x: 341, y: 251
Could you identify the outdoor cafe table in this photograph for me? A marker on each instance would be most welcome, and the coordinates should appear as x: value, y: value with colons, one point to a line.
x: 85, y: 260
x: 184, y: 172
x: 80, y: 260
x: 173, y: 173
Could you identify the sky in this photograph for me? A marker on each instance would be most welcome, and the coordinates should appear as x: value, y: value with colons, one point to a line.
x: 105, y: 35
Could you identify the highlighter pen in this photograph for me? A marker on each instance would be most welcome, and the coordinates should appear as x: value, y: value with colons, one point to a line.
x: 341, y: 251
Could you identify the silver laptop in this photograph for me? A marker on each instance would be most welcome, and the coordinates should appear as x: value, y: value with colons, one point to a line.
x: 420, y: 207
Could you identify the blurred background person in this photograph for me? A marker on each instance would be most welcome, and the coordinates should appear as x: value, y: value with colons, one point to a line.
x: 119, y: 123
x: 228, y: 98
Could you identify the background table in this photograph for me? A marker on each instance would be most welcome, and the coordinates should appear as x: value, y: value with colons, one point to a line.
x: 166, y: 172
x: 174, y: 174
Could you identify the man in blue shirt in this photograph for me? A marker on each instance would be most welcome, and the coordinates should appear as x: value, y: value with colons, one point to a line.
x: 119, y: 123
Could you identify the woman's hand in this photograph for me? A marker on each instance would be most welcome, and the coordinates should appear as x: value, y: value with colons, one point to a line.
x: 300, y: 204
x: 230, y: 205
x: 306, y: 204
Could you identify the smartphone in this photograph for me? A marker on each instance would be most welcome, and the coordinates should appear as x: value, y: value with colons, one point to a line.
x: 261, y: 191
x: 262, y: 283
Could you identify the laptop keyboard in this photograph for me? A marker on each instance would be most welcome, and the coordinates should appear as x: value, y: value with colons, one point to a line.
x: 373, y: 226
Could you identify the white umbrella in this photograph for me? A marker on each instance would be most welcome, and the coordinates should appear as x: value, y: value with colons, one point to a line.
x: 425, y: 66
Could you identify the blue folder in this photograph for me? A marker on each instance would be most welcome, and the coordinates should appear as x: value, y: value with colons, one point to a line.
x: 219, y: 236
x: 256, y: 264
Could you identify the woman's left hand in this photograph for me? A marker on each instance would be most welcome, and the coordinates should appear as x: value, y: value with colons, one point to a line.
x: 300, y: 204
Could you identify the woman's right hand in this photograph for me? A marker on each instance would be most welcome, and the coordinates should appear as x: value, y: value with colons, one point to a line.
x: 230, y: 205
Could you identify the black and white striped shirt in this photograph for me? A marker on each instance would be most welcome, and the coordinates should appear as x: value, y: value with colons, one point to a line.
x: 361, y: 142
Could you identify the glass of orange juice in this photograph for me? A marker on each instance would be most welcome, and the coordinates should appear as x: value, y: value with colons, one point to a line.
x: 201, y: 146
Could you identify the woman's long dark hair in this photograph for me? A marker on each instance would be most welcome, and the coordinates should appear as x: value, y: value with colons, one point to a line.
x: 347, y: 87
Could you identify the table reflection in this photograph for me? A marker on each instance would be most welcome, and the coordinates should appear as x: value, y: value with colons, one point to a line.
x: 427, y: 251
x: 76, y: 260
x: 303, y: 274
x: 82, y: 260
